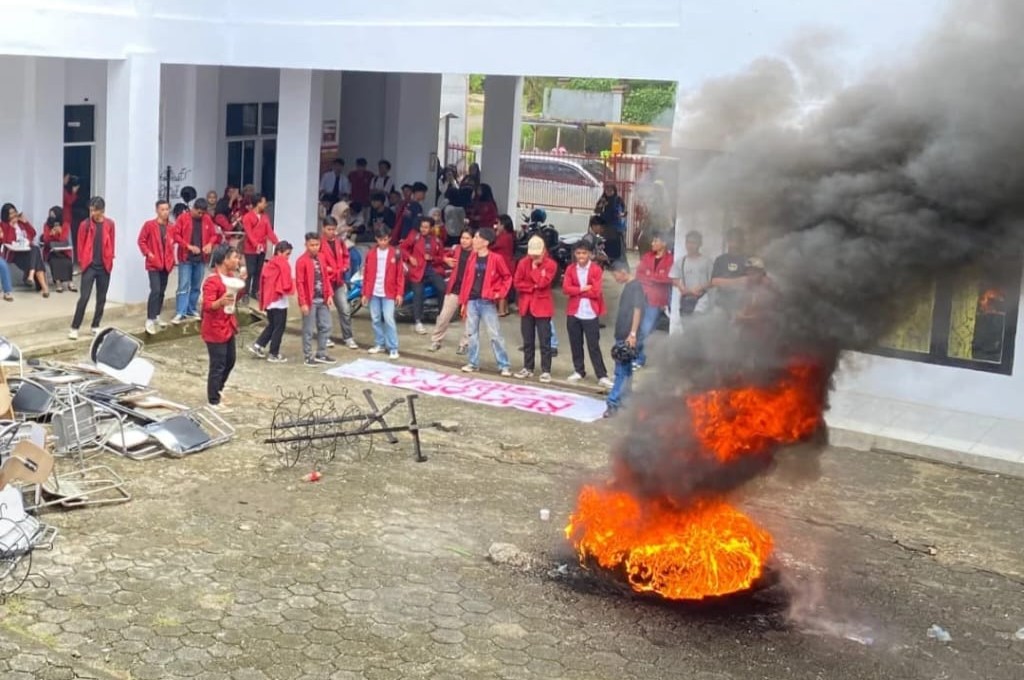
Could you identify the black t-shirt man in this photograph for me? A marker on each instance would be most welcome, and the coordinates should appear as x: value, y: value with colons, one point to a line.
x: 729, y: 266
x: 197, y: 240
x: 460, y: 270
x: 478, y: 278
x: 97, y: 246
x: 631, y: 299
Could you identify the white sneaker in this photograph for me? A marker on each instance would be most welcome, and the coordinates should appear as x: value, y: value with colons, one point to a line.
x: 376, y: 349
x: 470, y: 368
x: 420, y: 329
x: 575, y: 377
x: 330, y: 343
x: 73, y: 334
x: 257, y: 351
x: 545, y: 377
x: 524, y: 373
x: 161, y: 323
x: 505, y: 373
x: 94, y: 330
x: 351, y: 343
x: 151, y: 327
x: 221, y: 408
x: 606, y: 383
x: 178, y: 318
x: 393, y: 354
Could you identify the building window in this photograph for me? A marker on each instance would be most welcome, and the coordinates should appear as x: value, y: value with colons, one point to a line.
x: 243, y: 120
x: 967, y: 319
x: 268, y: 119
x: 80, y: 124
x: 251, y: 131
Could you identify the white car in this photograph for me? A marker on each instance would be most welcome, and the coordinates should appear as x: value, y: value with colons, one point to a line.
x: 554, y: 182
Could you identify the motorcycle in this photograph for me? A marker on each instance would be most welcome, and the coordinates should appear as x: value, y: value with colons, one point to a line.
x: 535, y: 224
x: 431, y: 305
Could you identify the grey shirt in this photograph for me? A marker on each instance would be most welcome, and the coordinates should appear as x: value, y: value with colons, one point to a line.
x: 694, y: 272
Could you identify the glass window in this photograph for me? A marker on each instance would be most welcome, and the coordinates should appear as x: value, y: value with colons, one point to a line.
x: 268, y: 120
x: 914, y: 333
x: 242, y: 120
x: 241, y: 162
x: 80, y: 124
x: 268, y: 168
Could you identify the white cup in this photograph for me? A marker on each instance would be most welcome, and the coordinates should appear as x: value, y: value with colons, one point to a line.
x: 545, y: 514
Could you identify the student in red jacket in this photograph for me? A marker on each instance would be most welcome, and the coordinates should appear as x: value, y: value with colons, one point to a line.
x: 96, y: 261
x: 275, y: 289
x: 313, y: 287
x: 218, y: 327
x: 19, y: 237
x: 156, y: 243
x: 487, y: 281
x: 258, y: 230
x: 653, y: 273
x: 534, y: 276
x: 456, y: 260
x: 57, y: 249
x: 582, y: 284
x: 335, y: 253
x: 383, y: 288
x: 195, y: 235
x: 424, y: 253
x: 505, y: 247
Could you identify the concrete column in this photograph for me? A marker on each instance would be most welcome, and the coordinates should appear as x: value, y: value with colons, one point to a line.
x: 499, y: 162
x: 44, y: 137
x: 361, y: 128
x: 131, y: 164
x: 188, y: 141
x: 13, y: 120
x: 413, y: 101
x: 300, y: 115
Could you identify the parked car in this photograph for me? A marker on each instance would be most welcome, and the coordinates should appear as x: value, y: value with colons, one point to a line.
x: 561, y: 182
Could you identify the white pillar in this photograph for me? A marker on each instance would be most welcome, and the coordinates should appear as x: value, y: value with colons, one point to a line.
x: 188, y: 141
x: 412, y: 103
x: 683, y: 221
x: 300, y: 115
x: 131, y: 164
x: 499, y: 162
x: 44, y: 136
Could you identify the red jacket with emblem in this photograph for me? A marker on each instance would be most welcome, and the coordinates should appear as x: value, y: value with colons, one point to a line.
x: 217, y: 325
x: 86, y: 239
x: 415, y: 245
x: 275, y: 280
x: 572, y: 285
x: 7, y: 235
x: 305, y: 278
x: 652, y: 273
x: 257, y: 230
x: 394, y: 278
x: 497, y: 279
x: 49, y: 238
x: 159, y: 256
x: 456, y: 254
x: 183, y: 235
x: 534, y: 287
x: 335, y: 254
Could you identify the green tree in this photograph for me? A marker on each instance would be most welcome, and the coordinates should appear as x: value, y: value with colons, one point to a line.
x: 646, y: 101
x: 476, y: 83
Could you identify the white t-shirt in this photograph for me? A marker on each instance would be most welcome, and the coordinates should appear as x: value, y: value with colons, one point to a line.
x: 694, y: 272
x: 382, y: 269
x: 327, y: 183
x: 586, y: 310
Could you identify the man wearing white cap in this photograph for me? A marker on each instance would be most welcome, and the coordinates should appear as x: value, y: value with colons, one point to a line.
x: 533, y: 279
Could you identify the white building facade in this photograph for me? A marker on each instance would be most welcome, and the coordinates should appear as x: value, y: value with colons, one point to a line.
x: 249, y: 91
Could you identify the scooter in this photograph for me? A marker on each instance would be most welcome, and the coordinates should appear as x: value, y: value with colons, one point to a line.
x: 535, y: 225
x: 431, y: 305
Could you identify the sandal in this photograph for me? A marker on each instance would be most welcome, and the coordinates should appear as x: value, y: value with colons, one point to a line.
x: 46, y: 293
x: 72, y: 288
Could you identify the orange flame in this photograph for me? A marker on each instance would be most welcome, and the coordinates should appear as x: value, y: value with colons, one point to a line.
x: 708, y: 548
x: 990, y: 300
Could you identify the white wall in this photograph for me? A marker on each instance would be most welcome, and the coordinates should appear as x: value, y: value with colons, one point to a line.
x: 361, y: 128
x: 241, y: 86
x: 86, y: 83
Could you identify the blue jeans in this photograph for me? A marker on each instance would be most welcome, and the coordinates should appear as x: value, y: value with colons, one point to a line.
x: 554, y: 336
x: 485, y: 311
x: 5, y: 277
x: 382, y: 314
x: 647, y: 324
x: 190, y: 284
x: 623, y: 384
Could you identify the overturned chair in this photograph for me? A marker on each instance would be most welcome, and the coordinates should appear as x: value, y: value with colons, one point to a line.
x: 31, y: 468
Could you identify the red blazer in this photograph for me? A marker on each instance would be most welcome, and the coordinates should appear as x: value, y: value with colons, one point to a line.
x: 415, y: 245
x: 305, y: 279
x: 217, y: 325
x: 49, y: 237
x: 396, y: 231
x: 86, y: 236
x: 335, y: 255
x: 183, y: 235
x: 257, y: 230
x: 653, y: 276
x: 505, y: 245
x: 360, y: 182
x: 68, y: 204
x: 159, y: 256
x: 7, y: 231
x: 484, y: 214
x: 497, y: 279
x: 455, y: 253
x: 275, y: 280
x: 394, y: 278
x: 534, y: 287
x: 571, y: 285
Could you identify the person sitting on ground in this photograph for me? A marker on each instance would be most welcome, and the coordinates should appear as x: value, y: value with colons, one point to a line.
x: 632, y: 303
x: 487, y: 281
x: 383, y: 288
x: 18, y: 237
x: 57, y: 250
x: 535, y: 274
x: 276, y: 288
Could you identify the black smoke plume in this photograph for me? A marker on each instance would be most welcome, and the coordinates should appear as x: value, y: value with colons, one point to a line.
x: 913, y: 173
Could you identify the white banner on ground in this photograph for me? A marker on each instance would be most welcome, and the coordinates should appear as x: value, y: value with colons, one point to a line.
x: 469, y: 387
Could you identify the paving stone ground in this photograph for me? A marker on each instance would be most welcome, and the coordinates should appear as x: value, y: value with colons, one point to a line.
x: 224, y: 565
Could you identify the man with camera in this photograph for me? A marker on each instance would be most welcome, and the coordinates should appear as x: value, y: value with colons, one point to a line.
x: 632, y: 302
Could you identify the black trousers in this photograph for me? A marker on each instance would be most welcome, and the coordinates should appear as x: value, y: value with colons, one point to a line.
x: 222, y: 360
x: 271, y: 336
x: 61, y: 267
x: 157, y: 290
x: 532, y: 328
x: 418, y: 298
x: 254, y: 267
x: 101, y: 277
x: 590, y: 330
